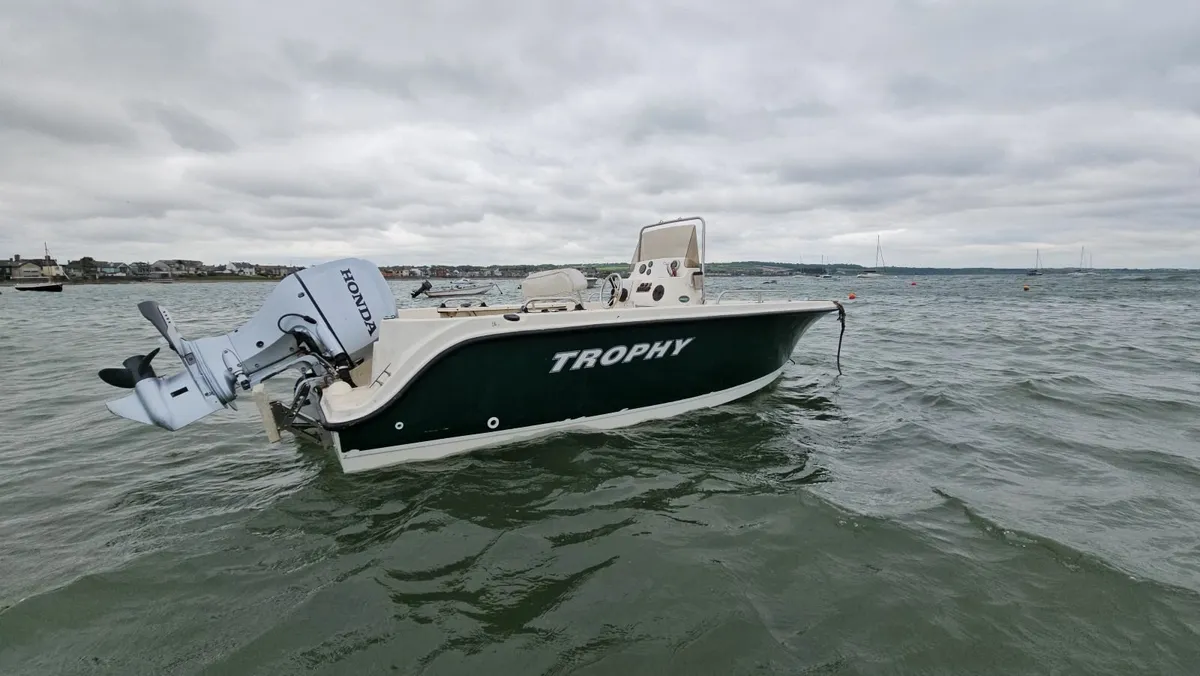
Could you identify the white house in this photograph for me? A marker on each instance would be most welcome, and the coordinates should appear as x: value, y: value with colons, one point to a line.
x: 107, y: 269
x: 175, y: 266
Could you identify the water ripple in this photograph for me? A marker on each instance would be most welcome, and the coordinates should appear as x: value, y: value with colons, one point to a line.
x: 1000, y: 482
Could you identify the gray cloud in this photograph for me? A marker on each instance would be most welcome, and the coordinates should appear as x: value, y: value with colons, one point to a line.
x: 963, y: 133
x: 406, y: 80
x: 668, y: 119
x: 62, y: 120
x: 938, y: 160
x: 266, y: 182
x: 191, y: 131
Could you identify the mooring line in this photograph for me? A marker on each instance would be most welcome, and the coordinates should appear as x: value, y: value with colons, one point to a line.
x: 841, y: 320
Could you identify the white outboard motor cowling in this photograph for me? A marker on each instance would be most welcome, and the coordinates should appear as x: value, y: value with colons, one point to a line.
x: 323, y: 320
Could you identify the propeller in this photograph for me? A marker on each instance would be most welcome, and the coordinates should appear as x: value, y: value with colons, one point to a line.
x: 134, y: 369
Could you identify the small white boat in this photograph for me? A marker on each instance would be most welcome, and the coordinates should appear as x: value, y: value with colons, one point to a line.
x: 458, y: 289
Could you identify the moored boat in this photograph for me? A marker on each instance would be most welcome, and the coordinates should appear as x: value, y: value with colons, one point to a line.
x: 374, y: 381
x: 461, y: 288
x: 46, y: 285
x: 1037, y: 266
x: 1082, y: 271
x: 45, y: 281
x: 871, y: 273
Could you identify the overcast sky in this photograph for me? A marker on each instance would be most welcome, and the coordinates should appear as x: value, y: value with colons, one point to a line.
x: 964, y: 133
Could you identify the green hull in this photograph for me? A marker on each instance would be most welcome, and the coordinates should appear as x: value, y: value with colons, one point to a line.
x: 519, y: 380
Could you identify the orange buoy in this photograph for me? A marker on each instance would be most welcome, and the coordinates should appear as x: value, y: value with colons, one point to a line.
x: 852, y: 296
x: 1026, y: 287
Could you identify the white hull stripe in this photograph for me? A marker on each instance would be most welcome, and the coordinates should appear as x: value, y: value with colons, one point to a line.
x: 361, y: 461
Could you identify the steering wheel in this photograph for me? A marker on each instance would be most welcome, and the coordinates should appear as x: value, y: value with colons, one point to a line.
x: 612, y: 289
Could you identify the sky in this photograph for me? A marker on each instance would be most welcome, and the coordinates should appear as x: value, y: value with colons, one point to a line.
x: 965, y: 133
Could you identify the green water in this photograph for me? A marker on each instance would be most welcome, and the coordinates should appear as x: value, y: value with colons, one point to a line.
x: 1001, y: 482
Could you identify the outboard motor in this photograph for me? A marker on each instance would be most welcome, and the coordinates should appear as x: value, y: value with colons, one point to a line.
x: 425, y: 286
x: 323, y: 320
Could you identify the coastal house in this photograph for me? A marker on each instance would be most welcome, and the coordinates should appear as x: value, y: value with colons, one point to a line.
x: 89, y: 268
x: 276, y: 271
x: 10, y: 269
x: 24, y: 268
x: 107, y: 269
x: 242, y: 268
x: 46, y: 267
x: 139, y: 269
x: 51, y: 269
x: 169, y: 267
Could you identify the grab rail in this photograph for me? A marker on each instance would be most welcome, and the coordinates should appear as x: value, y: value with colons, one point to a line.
x: 760, y: 292
x: 576, y: 303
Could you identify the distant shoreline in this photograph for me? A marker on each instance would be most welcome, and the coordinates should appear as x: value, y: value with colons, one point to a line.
x: 849, y: 273
x: 177, y: 280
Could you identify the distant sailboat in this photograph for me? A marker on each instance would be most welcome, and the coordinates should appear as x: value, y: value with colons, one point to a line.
x: 1081, y: 270
x: 824, y: 269
x: 46, y: 281
x: 874, y: 272
x: 1037, y: 266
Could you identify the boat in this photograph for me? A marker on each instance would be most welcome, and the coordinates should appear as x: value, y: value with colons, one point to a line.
x: 874, y: 272
x: 1082, y: 271
x: 458, y: 289
x: 46, y: 285
x: 374, y: 381
x: 41, y: 282
x: 592, y: 281
x: 1037, y: 266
